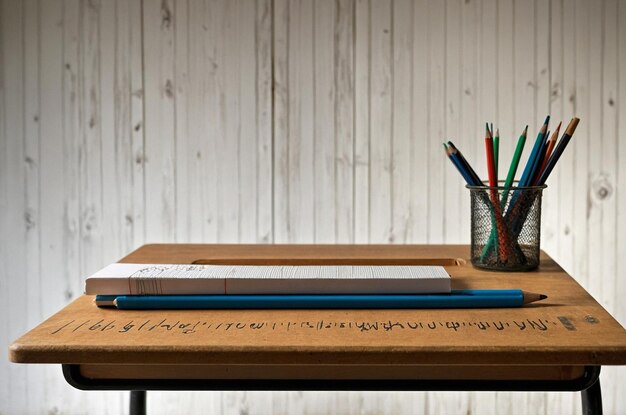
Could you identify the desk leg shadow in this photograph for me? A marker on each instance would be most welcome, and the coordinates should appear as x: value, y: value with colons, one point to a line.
x: 588, y: 384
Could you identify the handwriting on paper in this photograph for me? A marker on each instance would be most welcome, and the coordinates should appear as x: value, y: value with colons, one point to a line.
x: 174, y: 326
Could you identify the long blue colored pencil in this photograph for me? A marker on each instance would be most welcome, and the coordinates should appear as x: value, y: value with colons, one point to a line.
x: 456, y: 299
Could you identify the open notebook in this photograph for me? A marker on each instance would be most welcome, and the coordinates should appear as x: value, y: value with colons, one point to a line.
x: 179, y: 279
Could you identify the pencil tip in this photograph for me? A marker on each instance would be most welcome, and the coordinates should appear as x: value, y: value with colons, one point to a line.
x: 525, y: 131
x: 572, y: 126
x: 547, y: 120
x: 542, y: 296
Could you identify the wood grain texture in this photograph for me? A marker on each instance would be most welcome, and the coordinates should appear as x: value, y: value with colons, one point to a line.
x: 125, y: 122
x: 535, y: 334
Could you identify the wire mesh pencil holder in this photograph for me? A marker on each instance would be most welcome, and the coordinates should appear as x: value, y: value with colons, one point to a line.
x: 505, y: 227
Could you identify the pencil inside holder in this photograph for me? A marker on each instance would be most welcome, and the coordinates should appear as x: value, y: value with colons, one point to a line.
x: 505, y: 227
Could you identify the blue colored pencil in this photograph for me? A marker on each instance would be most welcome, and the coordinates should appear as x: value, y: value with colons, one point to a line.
x: 531, y: 164
x: 466, y: 176
x: 475, y: 179
x: 456, y: 299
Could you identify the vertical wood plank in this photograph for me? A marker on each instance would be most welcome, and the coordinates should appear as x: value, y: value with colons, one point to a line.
x: 280, y: 118
x: 70, y: 267
x: 604, y: 186
x: 32, y: 153
x: 301, y: 155
x: 213, y: 94
x: 294, y: 147
x: 4, y: 200
x: 380, y: 122
x: 505, y: 101
x: 182, y: 108
x: 227, y: 133
x: 136, y: 70
x: 248, y: 192
x: 436, y: 122
x: 90, y: 147
x: 469, y: 117
x: 619, y: 310
x: 549, y: 209
x: 488, y: 95
x: 524, y: 72
x: 456, y: 199
x: 595, y: 141
x: 402, y: 37
x: 160, y: 145
x: 580, y: 151
x: 563, y: 177
x: 200, y: 178
x: 344, y: 118
x: 361, y: 122
x: 420, y: 118
x: 325, y: 159
x: 13, y: 170
x: 112, y: 111
x: 264, y: 127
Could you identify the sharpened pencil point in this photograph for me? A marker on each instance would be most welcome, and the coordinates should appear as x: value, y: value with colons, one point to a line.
x: 532, y: 297
x: 572, y: 126
x: 525, y: 131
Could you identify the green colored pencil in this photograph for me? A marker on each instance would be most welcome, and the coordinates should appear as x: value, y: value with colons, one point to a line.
x: 496, y: 151
x: 515, y: 161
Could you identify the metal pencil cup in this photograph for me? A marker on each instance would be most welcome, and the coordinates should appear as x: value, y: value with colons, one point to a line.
x: 506, y: 227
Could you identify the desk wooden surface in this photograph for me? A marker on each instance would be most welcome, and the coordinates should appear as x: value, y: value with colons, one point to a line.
x: 569, y: 328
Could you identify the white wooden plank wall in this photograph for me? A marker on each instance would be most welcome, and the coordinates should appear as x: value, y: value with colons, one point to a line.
x: 126, y: 122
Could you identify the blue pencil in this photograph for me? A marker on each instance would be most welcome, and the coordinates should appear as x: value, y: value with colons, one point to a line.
x: 463, y: 162
x: 459, y: 166
x: 456, y: 299
x: 531, y: 164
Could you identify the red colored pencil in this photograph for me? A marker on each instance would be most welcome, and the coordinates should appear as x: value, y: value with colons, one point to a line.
x: 503, y: 240
x: 491, y: 167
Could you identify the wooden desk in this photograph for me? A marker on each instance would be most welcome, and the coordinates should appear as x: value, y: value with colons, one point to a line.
x: 557, y: 344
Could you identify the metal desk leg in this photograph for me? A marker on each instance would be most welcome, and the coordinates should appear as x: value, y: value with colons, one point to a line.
x: 592, y: 399
x: 137, y: 403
